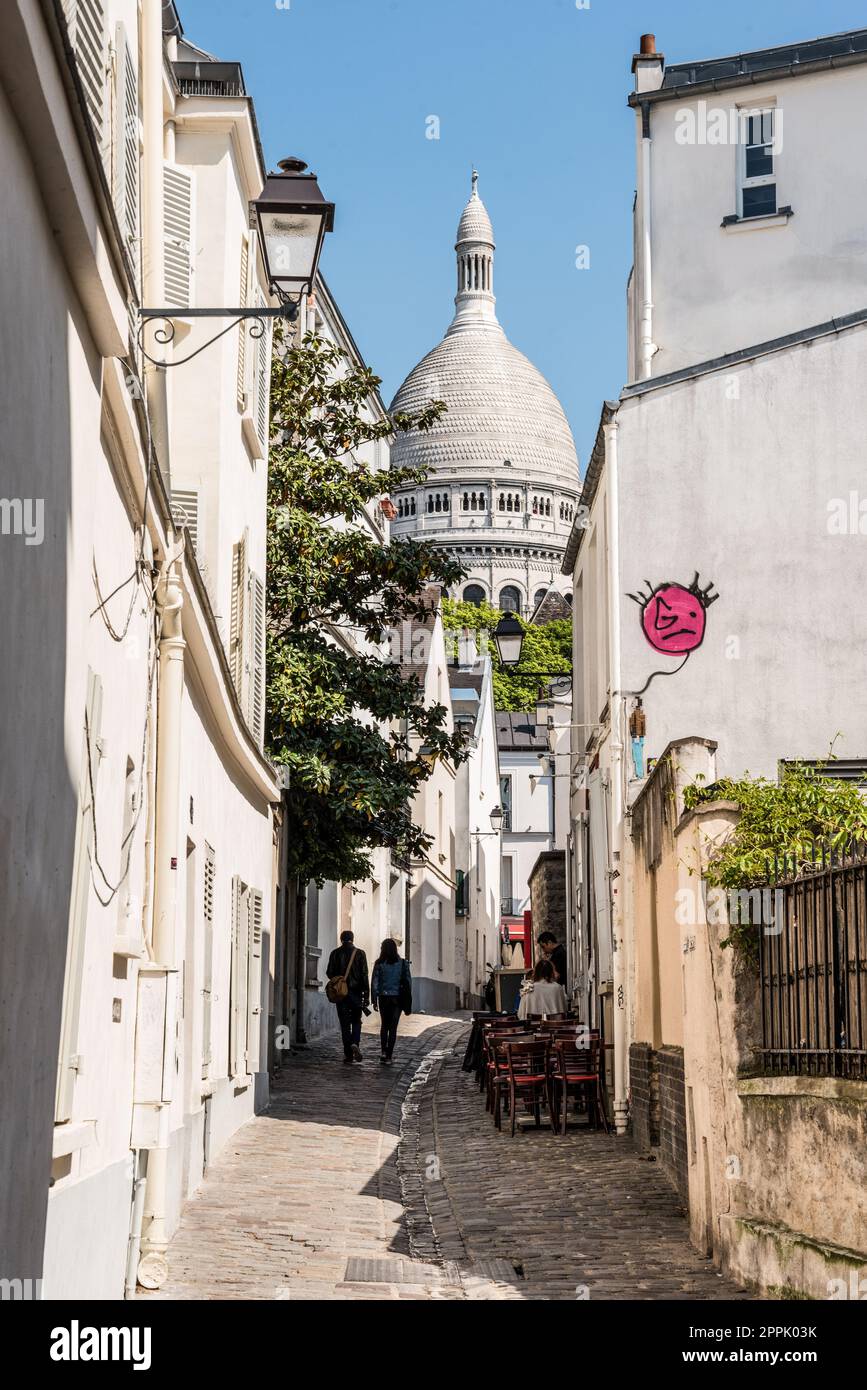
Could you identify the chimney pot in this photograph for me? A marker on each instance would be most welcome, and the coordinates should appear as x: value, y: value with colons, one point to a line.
x: 648, y: 44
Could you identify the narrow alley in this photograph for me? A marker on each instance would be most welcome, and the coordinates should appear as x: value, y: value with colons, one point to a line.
x: 390, y: 1183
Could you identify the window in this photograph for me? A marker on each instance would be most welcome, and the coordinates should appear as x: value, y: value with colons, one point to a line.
x: 461, y: 893
x: 506, y: 801
x: 510, y: 599
x: 474, y: 593
x: 247, y: 640
x: 538, y: 596
x: 178, y: 235
x: 246, y: 980
x: 506, y: 885
x: 758, y: 177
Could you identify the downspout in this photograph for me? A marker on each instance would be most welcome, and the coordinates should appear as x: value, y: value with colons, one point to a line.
x: 167, y: 854
x: 153, y: 222
x: 617, y: 799
x: 648, y: 347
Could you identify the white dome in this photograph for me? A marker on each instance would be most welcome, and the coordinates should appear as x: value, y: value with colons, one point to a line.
x: 499, y: 408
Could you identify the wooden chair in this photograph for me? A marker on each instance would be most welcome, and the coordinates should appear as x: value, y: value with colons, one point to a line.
x: 495, y: 1063
x: 529, y: 1076
x: 577, y: 1069
x: 491, y: 1025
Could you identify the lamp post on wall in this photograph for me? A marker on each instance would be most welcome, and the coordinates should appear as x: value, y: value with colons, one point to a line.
x: 291, y: 217
x: 509, y: 641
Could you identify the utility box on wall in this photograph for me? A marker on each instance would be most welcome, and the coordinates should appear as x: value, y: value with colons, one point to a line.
x: 155, y: 1062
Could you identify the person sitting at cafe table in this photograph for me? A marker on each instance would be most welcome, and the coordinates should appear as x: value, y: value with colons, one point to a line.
x: 542, y: 995
x: 555, y: 953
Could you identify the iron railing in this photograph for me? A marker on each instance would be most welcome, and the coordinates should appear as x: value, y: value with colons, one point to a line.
x: 813, y: 966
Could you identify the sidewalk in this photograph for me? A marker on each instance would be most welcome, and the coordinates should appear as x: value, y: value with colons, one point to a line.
x: 391, y: 1183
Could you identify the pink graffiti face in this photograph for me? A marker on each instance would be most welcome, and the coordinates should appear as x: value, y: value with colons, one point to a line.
x: 673, y: 616
x: 673, y: 619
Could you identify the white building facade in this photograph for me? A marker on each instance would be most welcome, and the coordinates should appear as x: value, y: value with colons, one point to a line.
x: 502, y: 473
x: 723, y: 520
x: 139, y: 874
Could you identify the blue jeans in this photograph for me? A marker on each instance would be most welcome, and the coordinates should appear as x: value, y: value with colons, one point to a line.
x: 349, y: 1015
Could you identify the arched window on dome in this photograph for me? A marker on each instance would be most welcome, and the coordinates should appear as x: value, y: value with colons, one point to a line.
x: 548, y: 506
x: 537, y: 597
x: 474, y: 593
x: 509, y: 506
x: 535, y: 506
x: 438, y: 503
x: 481, y: 501
x: 501, y: 503
x: 445, y: 501
x: 430, y: 503
x: 510, y: 599
x: 466, y: 501
x: 412, y: 504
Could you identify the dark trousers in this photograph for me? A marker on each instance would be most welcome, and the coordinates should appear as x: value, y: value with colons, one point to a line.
x: 350, y: 1024
x: 389, y: 1012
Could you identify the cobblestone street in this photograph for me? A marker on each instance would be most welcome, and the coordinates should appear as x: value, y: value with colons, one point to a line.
x: 389, y: 1183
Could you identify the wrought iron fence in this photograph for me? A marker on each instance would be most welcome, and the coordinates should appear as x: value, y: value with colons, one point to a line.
x: 813, y: 963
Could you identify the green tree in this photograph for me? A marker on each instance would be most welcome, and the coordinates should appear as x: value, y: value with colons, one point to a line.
x: 339, y: 716
x: 547, y: 647
x: 789, y: 821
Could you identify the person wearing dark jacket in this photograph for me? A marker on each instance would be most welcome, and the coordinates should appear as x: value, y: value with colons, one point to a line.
x: 556, y: 954
x: 390, y: 976
x: 343, y: 962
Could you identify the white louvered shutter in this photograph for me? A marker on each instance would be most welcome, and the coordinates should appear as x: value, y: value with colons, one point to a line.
x: 126, y: 141
x: 237, y: 634
x: 254, y: 979
x: 262, y: 384
x: 243, y: 326
x: 85, y: 21
x: 185, y: 510
x: 69, y: 1060
x: 234, y: 1032
x: 257, y: 673
x: 208, y: 971
x: 178, y: 232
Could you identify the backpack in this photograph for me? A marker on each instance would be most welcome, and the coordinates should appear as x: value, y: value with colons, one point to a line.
x: 405, y: 990
x: 337, y: 989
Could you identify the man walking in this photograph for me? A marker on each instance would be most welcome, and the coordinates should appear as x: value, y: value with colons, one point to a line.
x: 348, y: 965
x: 556, y: 954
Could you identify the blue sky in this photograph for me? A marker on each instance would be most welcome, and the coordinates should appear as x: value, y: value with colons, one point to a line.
x: 531, y: 91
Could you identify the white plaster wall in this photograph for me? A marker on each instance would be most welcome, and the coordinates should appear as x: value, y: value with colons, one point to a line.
x: 531, y: 820
x: 718, y: 289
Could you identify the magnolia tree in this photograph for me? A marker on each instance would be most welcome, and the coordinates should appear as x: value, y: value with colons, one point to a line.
x: 344, y: 709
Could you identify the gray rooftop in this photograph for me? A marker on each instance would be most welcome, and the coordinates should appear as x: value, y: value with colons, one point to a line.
x: 520, y: 732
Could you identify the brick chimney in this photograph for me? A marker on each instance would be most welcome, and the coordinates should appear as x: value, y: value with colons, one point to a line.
x: 648, y: 65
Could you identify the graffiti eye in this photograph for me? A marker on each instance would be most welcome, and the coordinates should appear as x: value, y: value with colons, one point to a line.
x: 692, y: 613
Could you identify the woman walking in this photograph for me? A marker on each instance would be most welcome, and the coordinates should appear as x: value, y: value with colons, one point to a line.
x: 391, y: 993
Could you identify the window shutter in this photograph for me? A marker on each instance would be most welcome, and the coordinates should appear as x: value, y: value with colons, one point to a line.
x: 254, y: 979
x: 85, y: 20
x: 243, y: 325
x: 178, y: 233
x: 237, y: 635
x: 257, y: 684
x: 79, y: 898
x: 208, y: 969
x: 185, y: 510
x: 234, y: 980
x: 261, y: 383
x: 126, y: 141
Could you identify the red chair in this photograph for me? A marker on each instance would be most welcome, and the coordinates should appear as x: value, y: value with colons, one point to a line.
x: 529, y: 1076
x: 577, y: 1070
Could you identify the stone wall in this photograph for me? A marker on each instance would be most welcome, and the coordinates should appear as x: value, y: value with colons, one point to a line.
x: 673, y: 1144
x: 548, y: 894
x: 644, y: 1103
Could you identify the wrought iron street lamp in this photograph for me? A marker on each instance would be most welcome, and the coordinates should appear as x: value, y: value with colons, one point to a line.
x: 291, y: 217
x: 497, y: 818
x: 509, y: 641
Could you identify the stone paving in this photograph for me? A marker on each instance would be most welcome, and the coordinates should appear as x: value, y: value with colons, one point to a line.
x: 391, y: 1183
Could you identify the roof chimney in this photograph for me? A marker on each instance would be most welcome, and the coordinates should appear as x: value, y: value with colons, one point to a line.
x: 648, y: 65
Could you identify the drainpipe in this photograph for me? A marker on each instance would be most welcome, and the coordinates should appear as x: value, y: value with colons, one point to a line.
x: 153, y: 222
x: 153, y: 1269
x: 648, y: 347
x: 617, y: 779
x: 134, y: 1248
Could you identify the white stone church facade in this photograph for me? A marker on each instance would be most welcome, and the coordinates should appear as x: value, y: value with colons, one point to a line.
x: 501, y: 469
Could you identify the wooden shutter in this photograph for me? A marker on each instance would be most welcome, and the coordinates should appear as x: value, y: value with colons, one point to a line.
x: 69, y: 1060
x: 234, y: 1032
x: 85, y: 21
x: 185, y: 510
x: 178, y: 234
x: 208, y: 969
x: 237, y: 634
x: 254, y: 979
x: 243, y: 325
x: 257, y: 673
x: 126, y: 140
